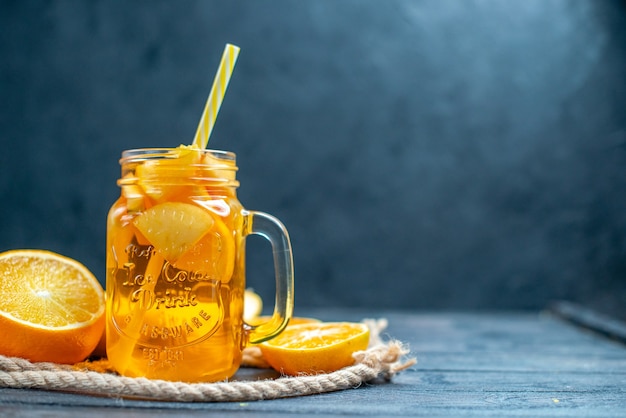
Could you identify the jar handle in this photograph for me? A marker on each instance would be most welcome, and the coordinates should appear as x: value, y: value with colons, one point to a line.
x: 269, y: 227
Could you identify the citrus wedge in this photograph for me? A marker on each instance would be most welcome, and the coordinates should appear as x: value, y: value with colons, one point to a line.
x: 311, y: 348
x: 162, y: 179
x: 295, y: 320
x: 252, y: 305
x: 52, y: 307
x: 214, y: 253
x: 174, y: 227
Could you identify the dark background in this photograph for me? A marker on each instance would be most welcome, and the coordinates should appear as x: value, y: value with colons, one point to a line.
x: 422, y: 154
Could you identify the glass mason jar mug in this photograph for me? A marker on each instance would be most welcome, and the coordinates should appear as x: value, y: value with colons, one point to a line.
x: 176, y: 267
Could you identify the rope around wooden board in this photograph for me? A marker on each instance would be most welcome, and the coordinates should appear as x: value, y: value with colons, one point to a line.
x: 381, y: 360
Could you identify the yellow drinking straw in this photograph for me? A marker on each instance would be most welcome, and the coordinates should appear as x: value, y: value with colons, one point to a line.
x: 213, y: 103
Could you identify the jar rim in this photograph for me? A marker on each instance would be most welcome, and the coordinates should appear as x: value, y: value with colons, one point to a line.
x: 219, y: 169
x: 162, y: 153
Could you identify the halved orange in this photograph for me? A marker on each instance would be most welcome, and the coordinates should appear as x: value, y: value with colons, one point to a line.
x: 51, y: 309
x: 312, y: 348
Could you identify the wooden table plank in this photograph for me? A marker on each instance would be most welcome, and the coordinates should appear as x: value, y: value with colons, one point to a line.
x: 491, y: 364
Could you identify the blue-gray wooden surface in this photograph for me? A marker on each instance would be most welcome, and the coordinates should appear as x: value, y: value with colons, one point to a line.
x: 479, y: 364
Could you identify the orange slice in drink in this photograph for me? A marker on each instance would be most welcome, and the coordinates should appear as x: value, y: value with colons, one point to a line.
x: 52, y: 307
x: 224, y: 168
x: 312, y: 348
x: 135, y: 198
x: 213, y: 254
x: 174, y: 227
x: 167, y: 178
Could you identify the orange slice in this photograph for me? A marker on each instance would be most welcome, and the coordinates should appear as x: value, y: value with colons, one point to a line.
x: 214, y: 253
x: 135, y: 199
x: 312, y: 348
x: 174, y: 227
x: 52, y: 307
x: 295, y: 320
x: 224, y: 168
x: 164, y: 179
x: 252, y: 305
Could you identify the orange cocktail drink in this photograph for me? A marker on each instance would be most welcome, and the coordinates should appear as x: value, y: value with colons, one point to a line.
x: 176, y: 267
